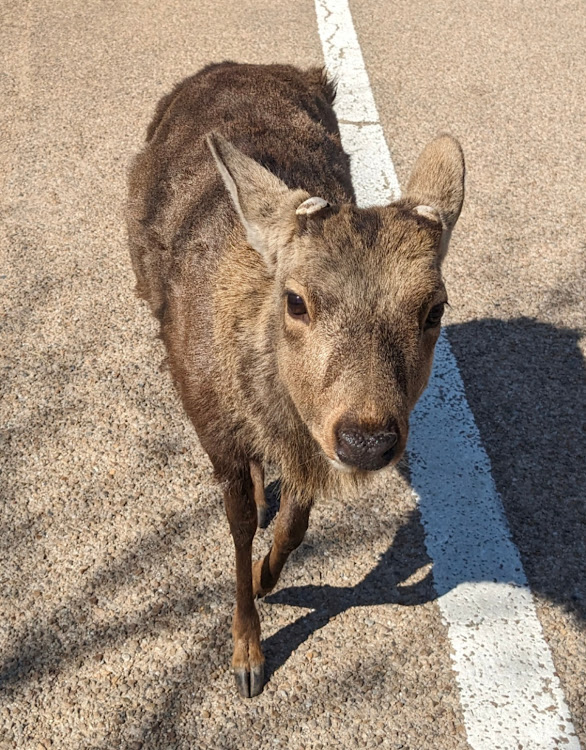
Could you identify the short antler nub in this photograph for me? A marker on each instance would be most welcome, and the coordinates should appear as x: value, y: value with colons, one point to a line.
x: 312, y: 206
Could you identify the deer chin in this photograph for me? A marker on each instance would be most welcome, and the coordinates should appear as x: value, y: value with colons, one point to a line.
x: 357, y: 472
x: 339, y: 466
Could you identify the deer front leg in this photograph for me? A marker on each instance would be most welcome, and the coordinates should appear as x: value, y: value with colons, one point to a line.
x: 290, y: 529
x: 247, y: 659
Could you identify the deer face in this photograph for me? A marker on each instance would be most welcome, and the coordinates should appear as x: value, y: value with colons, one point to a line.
x: 358, y: 298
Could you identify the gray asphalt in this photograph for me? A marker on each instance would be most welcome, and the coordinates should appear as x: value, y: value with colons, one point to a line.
x: 115, y: 559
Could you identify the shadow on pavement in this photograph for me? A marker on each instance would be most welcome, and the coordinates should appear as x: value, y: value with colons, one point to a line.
x: 48, y: 643
x: 383, y: 585
x: 525, y: 383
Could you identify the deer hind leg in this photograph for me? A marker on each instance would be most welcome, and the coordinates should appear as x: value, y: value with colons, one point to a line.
x: 258, y: 481
x: 290, y: 529
x: 247, y: 659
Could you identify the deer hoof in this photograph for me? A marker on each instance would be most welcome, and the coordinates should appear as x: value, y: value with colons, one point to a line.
x: 250, y: 682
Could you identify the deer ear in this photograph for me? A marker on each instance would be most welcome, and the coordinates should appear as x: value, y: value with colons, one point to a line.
x: 258, y: 195
x: 436, y: 186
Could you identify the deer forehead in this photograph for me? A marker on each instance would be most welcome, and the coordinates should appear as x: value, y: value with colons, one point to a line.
x: 342, y: 270
x: 366, y: 291
x: 369, y: 235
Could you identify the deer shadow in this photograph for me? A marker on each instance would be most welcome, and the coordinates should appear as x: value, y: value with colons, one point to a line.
x: 385, y: 584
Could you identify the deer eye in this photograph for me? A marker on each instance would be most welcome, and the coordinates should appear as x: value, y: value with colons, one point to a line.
x: 296, y: 307
x: 434, y: 316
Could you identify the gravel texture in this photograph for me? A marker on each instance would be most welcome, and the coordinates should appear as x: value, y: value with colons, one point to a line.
x: 116, y: 566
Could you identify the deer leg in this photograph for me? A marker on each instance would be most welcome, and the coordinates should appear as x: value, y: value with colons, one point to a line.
x: 290, y: 529
x: 248, y: 659
x: 258, y: 481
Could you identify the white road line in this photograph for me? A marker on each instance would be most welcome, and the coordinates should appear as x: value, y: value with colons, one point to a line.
x: 375, y: 181
x: 511, y: 696
x: 510, y: 693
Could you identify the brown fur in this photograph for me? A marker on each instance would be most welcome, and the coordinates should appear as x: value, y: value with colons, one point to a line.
x: 216, y: 246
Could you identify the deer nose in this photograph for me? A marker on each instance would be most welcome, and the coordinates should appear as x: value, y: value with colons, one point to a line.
x: 366, y: 448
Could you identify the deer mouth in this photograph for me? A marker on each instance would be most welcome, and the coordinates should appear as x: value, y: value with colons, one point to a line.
x: 340, y: 466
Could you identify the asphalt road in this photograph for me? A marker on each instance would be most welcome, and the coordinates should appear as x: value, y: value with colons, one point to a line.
x: 115, y: 559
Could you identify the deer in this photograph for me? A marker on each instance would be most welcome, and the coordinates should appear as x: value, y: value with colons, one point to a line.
x: 299, y: 328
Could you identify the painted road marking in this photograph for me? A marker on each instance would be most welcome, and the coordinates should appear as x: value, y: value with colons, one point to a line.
x: 511, y: 696
x: 375, y: 181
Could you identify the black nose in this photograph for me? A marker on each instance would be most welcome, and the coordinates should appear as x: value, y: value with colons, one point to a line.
x: 364, y: 447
